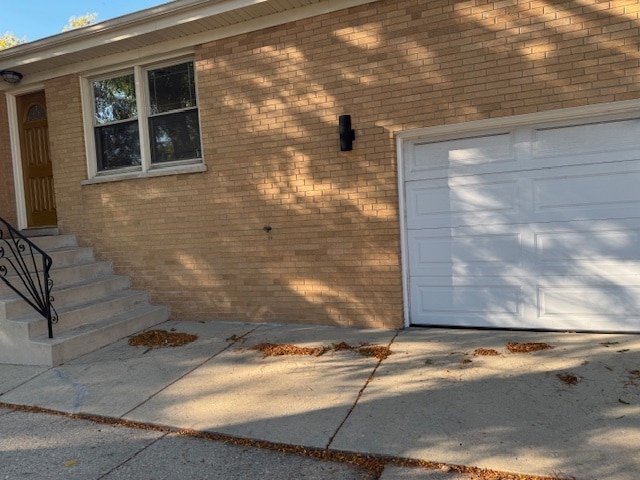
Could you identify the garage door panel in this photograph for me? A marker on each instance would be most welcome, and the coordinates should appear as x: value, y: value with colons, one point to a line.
x: 606, y: 254
x: 433, y: 298
x: 437, y: 205
x: 476, y: 153
x: 599, y: 137
x: 587, y: 196
x: 462, y: 254
x: 596, y: 300
x: 469, y: 305
x: 569, y: 246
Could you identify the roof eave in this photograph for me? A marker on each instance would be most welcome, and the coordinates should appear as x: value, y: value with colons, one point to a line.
x: 175, y: 27
x: 117, y: 29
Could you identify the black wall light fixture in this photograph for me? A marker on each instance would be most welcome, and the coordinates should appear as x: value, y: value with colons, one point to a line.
x: 11, y: 76
x: 347, y: 135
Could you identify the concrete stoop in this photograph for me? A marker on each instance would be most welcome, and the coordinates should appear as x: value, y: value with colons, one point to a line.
x: 95, y: 308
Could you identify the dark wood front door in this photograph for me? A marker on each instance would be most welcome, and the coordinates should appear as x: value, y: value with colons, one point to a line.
x: 36, y: 163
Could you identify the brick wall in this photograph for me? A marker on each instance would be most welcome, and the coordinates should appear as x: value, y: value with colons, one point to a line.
x: 269, y: 103
x: 7, y: 190
x: 66, y: 144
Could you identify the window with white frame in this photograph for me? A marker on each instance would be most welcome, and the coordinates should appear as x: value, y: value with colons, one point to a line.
x: 146, y: 118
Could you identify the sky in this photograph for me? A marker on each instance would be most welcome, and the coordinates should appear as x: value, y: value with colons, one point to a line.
x: 35, y: 19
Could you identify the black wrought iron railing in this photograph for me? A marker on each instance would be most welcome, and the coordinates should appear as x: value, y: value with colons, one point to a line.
x: 25, y: 267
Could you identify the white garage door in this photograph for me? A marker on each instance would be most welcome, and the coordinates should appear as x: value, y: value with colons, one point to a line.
x: 534, y: 227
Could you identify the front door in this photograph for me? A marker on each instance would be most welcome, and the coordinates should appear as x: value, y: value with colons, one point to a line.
x: 36, y: 162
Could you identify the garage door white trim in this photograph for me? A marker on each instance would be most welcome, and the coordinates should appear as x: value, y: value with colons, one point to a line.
x: 503, y: 138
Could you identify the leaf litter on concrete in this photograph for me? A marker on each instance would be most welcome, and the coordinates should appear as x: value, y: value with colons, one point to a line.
x: 161, y: 338
x: 512, y: 347
x: 568, y: 378
x: 279, y: 349
x: 516, y: 347
x: 485, y: 352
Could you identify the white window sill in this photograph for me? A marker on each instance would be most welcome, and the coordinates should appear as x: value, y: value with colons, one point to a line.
x: 161, y: 172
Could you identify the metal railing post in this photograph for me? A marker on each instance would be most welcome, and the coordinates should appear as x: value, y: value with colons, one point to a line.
x: 32, y: 282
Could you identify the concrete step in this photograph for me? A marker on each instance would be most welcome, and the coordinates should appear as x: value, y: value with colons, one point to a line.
x: 67, y: 295
x: 54, y: 242
x: 40, y: 232
x: 71, y: 344
x: 94, y: 306
x: 61, y: 257
x: 79, y: 315
x: 48, y: 244
x: 66, y: 275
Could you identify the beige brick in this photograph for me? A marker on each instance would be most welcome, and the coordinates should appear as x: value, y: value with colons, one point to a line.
x: 269, y: 103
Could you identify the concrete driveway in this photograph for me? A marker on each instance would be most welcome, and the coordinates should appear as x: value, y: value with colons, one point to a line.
x: 572, y: 409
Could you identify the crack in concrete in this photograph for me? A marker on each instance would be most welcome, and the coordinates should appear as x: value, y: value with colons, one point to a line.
x: 131, y: 457
x: 232, y: 342
x: 360, y: 393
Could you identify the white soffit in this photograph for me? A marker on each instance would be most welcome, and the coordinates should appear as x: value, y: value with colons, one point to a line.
x: 172, y: 26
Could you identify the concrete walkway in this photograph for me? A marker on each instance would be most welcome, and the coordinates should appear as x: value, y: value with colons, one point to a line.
x: 571, y: 410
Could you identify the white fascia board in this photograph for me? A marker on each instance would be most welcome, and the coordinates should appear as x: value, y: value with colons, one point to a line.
x: 117, y: 29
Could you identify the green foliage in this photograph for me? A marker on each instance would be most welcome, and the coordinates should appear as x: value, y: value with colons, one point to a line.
x: 115, y: 99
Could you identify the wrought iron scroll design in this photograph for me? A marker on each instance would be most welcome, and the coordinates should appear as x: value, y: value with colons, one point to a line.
x: 25, y: 267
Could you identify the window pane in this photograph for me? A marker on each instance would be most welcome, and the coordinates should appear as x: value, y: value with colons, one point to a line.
x: 172, y: 88
x: 118, y: 145
x: 115, y: 99
x: 175, y: 137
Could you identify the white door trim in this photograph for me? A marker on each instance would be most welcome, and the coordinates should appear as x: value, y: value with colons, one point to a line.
x: 18, y: 183
x: 16, y: 155
x: 616, y: 110
x: 404, y: 246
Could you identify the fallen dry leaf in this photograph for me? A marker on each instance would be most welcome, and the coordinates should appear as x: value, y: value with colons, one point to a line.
x: 342, y: 346
x: 375, y: 351
x: 276, y: 350
x: 161, y: 338
x: 568, y: 378
x: 515, y: 347
x: 487, y: 352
